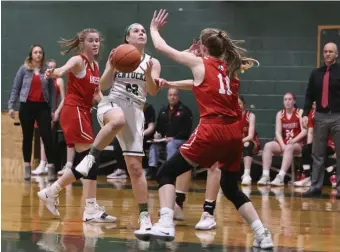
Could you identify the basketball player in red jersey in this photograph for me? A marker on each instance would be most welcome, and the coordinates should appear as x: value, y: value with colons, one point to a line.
x: 76, y: 119
x: 289, y: 138
x: 218, y: 137
x: 60, y: 91
x: 305, y: 178
x: 250, y: 140
x: 207, y: 220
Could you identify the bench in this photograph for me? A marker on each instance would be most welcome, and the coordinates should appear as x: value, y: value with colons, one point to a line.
x: 258, y: 162
x: 292, y: 175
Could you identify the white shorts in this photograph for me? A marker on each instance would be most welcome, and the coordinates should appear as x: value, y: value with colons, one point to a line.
x: 131, y: 136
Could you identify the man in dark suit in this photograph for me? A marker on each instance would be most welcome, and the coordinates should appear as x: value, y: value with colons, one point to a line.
x: 324, y: 88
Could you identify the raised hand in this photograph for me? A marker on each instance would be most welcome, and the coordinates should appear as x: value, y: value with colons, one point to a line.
x: 159, y: 19
x: 148, y: 69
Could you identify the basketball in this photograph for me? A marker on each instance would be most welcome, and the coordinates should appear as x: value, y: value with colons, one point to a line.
x: 126, y: 58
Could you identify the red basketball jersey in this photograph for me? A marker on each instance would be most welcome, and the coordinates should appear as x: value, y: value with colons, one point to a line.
x: 290, y: 127
x: 80, y: 91
x: 311, y: 125
x: 245, y: 128
x: 217, y: 95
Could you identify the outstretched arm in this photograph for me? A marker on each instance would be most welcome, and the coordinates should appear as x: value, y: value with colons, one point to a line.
x: 182, y: 57
x: 74, y: 65
x: 182, y: 84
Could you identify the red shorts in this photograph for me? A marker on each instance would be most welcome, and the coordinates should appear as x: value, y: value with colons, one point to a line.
x: 211, y: 143
x: 76, y: 123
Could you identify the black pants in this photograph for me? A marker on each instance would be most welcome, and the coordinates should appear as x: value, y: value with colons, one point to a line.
x: 307, y: 155
x: 40, y: 112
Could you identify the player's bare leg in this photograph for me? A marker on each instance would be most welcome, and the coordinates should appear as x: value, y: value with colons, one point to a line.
x: 287, y: 160
x: 268, y: 151
x: 140, y: 190
x: 207, y: 220
x: 114, y: 121
x: 245, y: 207
x: 166, y: 178
x: 182, y: 187
x: 93, y: 212
x: 247, y: 161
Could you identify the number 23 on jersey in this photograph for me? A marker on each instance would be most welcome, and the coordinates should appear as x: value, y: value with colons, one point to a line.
x: 132, y: 88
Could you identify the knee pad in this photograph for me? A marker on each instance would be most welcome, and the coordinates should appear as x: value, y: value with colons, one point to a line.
x: 93, y: 172
x: 171, y: 169
x: 248, y: 150
x: 77, y: 159
x: 230, y: 189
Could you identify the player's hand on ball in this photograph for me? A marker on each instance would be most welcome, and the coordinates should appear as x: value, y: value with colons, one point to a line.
x: 158, y: 20
x: 148, y: 69
x: 109, y: 62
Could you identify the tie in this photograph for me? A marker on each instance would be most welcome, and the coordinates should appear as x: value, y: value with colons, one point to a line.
x: 325, y: 87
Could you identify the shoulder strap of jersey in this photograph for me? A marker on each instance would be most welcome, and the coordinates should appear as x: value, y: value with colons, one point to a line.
x: 83, y: 57
x: 297, y: 112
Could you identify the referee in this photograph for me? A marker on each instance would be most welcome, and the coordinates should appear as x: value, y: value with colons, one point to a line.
x: 324, y: 88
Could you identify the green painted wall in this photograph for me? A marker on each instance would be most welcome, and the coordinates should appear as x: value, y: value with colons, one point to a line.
x: 282, y: 36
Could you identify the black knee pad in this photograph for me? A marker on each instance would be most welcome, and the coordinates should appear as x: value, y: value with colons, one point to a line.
x: 248, y: 151
x: 79, y: 156
x: 171, y: 169
x: 230, y: 189
x: 94, y: 171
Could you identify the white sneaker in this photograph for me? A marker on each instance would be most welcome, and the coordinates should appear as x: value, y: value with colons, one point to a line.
x: 264, y: 241
x: 41, y: 169
x: 143, y: 233
x: 85, y: 165
x: 62, y: 171
x: 304, y: 182
x: 264, y: 180
x: 164, y: 229
x: 206, y: 222
x: 117, y: 174
x: 246, y: 180
x: 278, y: 181
x: 97, y: 214
x: 178, y: 213
x: 51, y: 201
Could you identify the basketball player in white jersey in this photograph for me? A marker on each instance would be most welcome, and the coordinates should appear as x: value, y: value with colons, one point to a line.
x: 126, y: 100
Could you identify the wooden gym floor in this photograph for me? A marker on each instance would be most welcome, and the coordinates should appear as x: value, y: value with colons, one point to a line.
x: 297, y: 224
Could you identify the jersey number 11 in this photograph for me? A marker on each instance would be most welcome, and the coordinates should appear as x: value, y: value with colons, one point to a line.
x: 224, y: 83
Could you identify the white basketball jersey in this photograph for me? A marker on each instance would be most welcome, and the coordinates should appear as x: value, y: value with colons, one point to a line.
x: 132, y: 85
